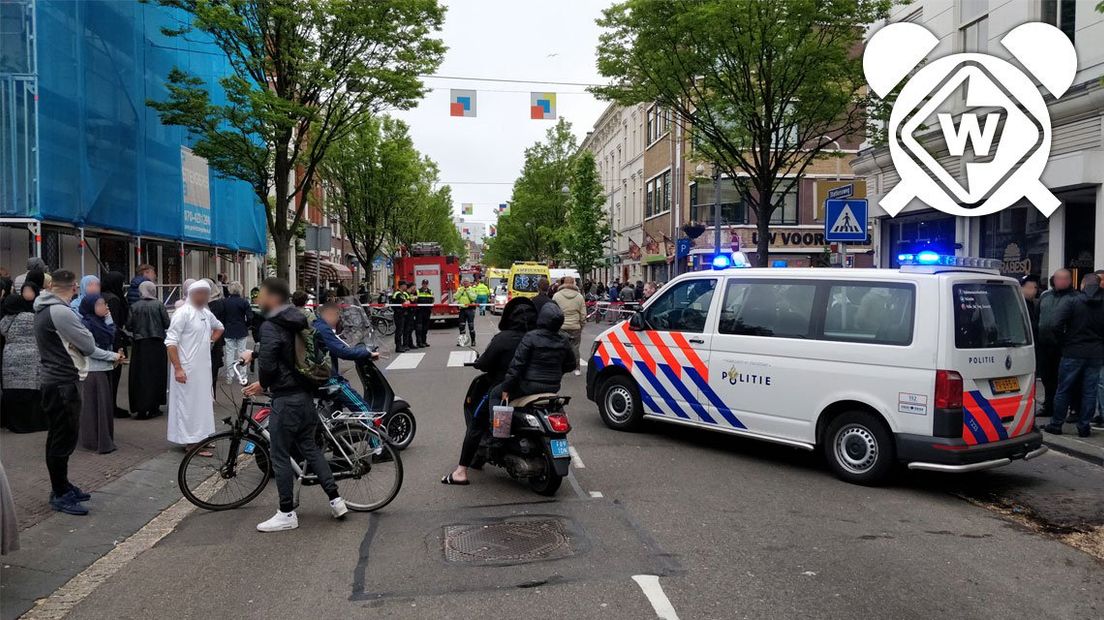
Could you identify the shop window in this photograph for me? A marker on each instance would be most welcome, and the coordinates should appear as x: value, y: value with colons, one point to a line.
x: 786, y: 211
x: 1019, y: 237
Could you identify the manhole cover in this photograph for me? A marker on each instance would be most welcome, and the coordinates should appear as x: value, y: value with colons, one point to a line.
x: 510, y: 541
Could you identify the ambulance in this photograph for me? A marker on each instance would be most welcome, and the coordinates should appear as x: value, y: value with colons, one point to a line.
x: 524, y: 277
x: 931, y: 365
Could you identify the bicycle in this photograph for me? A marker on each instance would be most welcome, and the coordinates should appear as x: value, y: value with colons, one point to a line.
x: 355, y: 446
x: 382, y: 320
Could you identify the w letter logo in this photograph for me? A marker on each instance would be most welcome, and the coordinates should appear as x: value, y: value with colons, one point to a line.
x: 1003, y: 135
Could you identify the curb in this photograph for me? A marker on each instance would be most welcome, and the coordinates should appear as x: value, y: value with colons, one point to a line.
x: 1075, y: 447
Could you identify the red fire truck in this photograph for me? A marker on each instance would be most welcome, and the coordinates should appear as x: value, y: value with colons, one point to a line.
x: 425, y: 261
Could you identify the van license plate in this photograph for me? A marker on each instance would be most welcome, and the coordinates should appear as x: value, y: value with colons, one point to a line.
x: 559, y: 449
x: 1005, y: 385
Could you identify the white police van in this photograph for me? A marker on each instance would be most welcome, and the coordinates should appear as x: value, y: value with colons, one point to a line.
x: 931, y: 365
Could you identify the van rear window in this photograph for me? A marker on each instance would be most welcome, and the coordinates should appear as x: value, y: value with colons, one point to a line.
x: 988, y: 315
x: 526, y: 282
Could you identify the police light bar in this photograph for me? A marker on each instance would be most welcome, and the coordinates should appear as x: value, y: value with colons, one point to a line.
x: 736, y: 260
x: 928, y: 258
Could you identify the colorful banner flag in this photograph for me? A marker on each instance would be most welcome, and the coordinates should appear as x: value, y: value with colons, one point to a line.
x: 542, y: 106
x: 466, y: 208
x: 502, y: 207
x: 462, y: 102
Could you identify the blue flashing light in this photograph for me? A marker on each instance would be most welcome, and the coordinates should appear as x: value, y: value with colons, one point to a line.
x: 928, y: 257
x: 721, y: 261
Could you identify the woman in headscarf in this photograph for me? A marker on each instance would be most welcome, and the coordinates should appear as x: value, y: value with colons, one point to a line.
x: 183, y: 297
x: 21, y: 398
x: 113, y: 291
x: 217, y: 305
x: 97, y: 418
x: 149, y: 364
x: 88, y: 284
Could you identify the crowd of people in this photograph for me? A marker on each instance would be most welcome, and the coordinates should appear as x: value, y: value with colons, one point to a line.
x: 1068, y: 322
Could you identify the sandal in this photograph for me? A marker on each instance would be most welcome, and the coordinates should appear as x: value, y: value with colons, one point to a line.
x: 450, y: 480
x: 205, y: 453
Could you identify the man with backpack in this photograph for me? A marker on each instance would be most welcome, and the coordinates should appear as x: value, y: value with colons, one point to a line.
x: 291, y: 368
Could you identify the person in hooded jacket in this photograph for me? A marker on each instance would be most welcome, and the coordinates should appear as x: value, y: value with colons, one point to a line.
x: 573, y: 305
x: 111, y: 289
x: 97, y: 422
x: 518, y: 317
x: 541, y: 359
x: 1082, y: 323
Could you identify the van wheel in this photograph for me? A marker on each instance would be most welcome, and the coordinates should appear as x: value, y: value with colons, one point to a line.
x: 619, y: 404
x: 859, y: 448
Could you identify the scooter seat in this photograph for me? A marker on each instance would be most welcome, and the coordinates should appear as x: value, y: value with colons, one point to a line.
x: 526, y: 401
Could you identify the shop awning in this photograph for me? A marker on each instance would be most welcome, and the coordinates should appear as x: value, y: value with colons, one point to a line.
x: 309, y: 265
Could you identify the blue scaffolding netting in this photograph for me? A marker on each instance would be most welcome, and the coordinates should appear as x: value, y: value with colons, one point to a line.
x: 104, y: 158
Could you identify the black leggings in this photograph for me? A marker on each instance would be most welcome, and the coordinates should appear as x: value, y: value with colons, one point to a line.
x: 478, y: 426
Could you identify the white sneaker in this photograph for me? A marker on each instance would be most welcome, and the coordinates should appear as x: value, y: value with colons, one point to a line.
x: 578, y: 372
x: 279, y: 522
x: 338, y: 508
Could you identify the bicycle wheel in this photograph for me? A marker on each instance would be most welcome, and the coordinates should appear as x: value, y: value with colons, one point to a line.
x: 236, y: 473
x: 368, y: 469
x: 384, y: 326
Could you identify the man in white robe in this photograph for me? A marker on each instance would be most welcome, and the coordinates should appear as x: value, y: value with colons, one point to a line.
x: 191, y: 400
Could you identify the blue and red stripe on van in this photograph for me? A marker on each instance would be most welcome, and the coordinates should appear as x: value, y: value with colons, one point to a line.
x: 983, y: 419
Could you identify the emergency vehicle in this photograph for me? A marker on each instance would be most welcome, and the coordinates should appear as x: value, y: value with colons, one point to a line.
x: 524, y: 277
x: 931, y: 365
x: 426, y: 262
x: 496, y: 280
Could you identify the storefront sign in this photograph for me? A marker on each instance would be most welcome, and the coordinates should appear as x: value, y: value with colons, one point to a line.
x: 196, y: 210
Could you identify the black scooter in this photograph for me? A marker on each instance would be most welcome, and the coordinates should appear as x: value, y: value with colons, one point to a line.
x: 398, y: 419
x: 537, y: 449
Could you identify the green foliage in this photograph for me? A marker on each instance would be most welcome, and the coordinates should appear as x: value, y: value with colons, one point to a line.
x: 768, y: 86
x: 534, y: 228
x: 588, y: 230
x: 305, y: 73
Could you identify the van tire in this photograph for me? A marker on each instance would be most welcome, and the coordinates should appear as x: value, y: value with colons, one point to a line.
x: 619, y: 404
x: 859, y: 448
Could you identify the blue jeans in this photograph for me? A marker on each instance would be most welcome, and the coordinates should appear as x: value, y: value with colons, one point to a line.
x: 1075, y: 376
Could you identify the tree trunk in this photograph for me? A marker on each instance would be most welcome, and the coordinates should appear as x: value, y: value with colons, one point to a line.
x: 281, y: 245
x: 762, y: 227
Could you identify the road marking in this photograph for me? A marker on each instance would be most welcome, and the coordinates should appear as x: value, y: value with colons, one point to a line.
x: 582, y: 362
x: 459, y: 358
x: 596, y: 494
x: 660, y: 603
x: 406, y: 361
x: 575, y: 460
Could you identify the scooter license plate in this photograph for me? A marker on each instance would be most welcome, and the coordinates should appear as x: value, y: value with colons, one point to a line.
x: 559, y: 449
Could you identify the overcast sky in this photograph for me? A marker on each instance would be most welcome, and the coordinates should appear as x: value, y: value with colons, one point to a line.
x: 505, y: 39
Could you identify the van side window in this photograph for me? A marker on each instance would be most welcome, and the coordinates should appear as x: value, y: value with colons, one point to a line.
x: 682, y: 307
x: 870, y: 313
x: 766, y: 308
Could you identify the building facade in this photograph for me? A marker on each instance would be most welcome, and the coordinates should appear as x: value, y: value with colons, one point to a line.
x: 1027, y: 241
x: 89, y: 177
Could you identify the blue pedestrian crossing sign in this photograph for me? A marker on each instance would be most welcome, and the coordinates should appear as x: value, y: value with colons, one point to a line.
x: 845, y: 220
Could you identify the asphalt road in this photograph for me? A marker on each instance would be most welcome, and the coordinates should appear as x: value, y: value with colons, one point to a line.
x: 732, y: 528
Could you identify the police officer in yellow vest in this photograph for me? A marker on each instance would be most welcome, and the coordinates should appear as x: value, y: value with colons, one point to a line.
x: 425, y: 311
x: 398, y: 300
x: 465, y: 298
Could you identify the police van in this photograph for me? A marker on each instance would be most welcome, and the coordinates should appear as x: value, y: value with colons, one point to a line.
x: 931, y: 365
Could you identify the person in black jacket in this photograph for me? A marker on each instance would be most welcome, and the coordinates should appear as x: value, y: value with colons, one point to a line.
x: 113, y: 292
x: 293, y: 420
x: 1048, y: 346
x: 518, y: 317
x: 237, y: 316
x: 541, y: 359
x: 542, y: 297
x: 1082, y: 323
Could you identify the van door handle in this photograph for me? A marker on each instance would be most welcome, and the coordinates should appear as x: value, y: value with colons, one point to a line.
x: 697, y: 341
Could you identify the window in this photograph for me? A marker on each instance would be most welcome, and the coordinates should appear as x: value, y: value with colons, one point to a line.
x: 526, y: 282
x: 1061, y: 14
x: 682, y: 307
x: 733, y: 208
x: 989, y: 315
x: 779, y: 309
x: 975, y: 37
x: 786, y: 211
x: 658, y: 198
x: 659, y: 123
x: 870, y: 313
x: 649, y: 199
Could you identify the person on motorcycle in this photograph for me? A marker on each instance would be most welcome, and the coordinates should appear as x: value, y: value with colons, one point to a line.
x: 327, y: 340
x: 541, y: 359
x: 518, y: 317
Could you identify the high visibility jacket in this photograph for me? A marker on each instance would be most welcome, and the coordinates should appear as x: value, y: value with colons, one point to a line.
x: 425, y: 296
x: 399, y: 297
x: 481, y: 290
x: 465, y: 296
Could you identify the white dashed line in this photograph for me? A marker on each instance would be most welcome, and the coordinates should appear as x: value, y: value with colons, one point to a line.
x: 406, y: 361
x: 459, y: 358
x: 575, y: 460
x: 596, y: 494
x: 660, y: 603
x: 582, y: 362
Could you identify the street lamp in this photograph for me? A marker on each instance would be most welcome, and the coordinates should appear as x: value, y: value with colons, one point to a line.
x: 716, y: 205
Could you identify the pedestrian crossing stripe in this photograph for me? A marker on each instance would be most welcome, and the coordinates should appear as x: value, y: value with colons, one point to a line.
x: 459, y: 358
x: 406, y: 361
x: 846, y: 222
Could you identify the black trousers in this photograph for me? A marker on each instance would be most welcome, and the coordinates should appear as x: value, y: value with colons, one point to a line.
x: 400, y: 326
x: 61, y: 404
x: 423, y: 314
x: 293, y: 424
x: 1049, y: 357
x: 478, y: 425
x: 409, y: 323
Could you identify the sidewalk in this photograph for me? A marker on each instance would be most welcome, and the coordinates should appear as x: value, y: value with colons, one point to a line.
x: 1089, y: 448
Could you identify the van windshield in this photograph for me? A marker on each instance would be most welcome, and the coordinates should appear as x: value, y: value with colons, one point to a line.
x: 526, y: 282
x: 989, y: 315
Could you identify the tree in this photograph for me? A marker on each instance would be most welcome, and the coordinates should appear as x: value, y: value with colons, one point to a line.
x: 369, y: 175
x: 427, y: 215
x: 764, y: 86
x: 304, y: 74
x: 534, y: 227
x: 588, y: 230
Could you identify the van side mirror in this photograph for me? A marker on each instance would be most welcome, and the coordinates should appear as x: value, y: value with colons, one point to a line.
x: 637, y: 322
